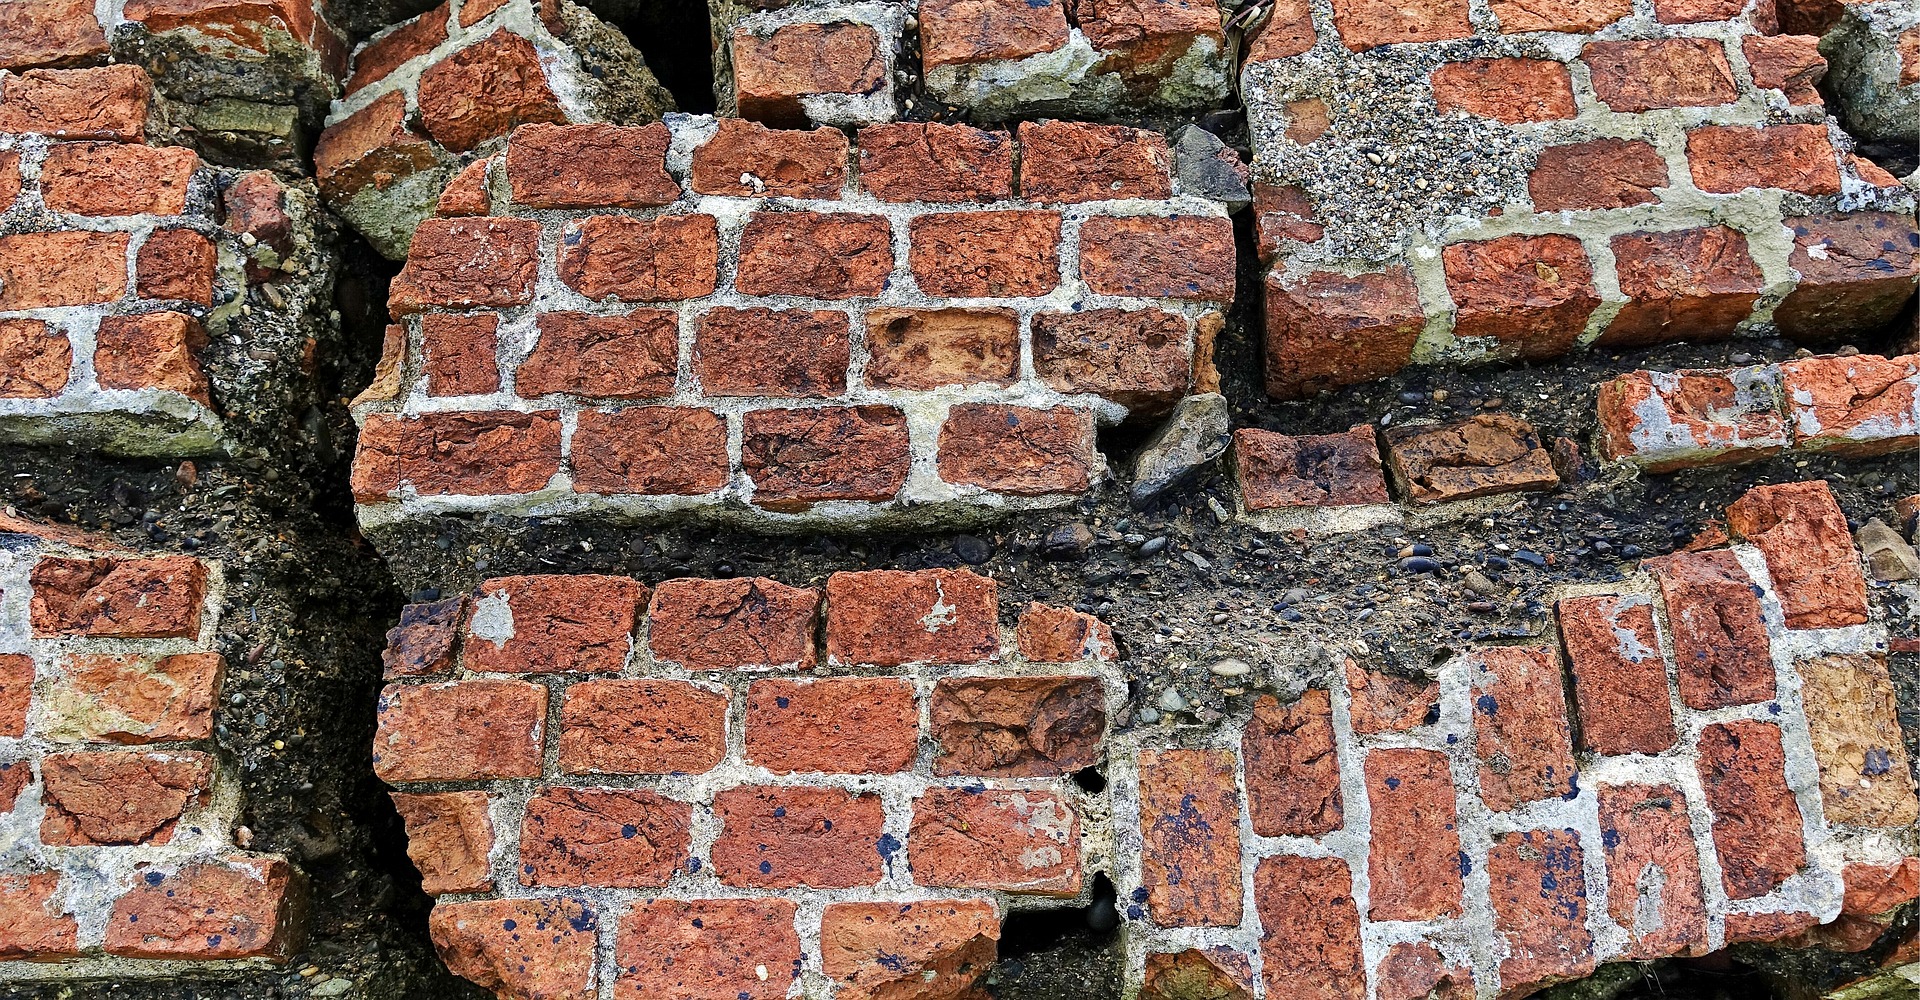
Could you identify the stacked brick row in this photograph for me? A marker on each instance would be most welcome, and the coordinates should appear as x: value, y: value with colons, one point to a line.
x: 116, y: 808
x: 1444, y: 187
x: 775, y: 326
x: 739, y: 787
x: 1728, y: 768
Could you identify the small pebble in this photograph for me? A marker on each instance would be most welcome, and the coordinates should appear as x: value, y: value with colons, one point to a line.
x: 1230, y: 668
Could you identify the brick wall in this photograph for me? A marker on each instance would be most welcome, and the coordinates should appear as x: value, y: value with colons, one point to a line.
x: 775, y: 326
x: 118, y: 810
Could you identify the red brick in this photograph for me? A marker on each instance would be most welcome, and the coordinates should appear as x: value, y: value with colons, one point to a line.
x: 462, y: 263
x: 1770, y: 927
x: 772, y: 352
x: 460, y: 731
x: 35, y: 359
x: 1603, y: 173
x: 1364, y: 24
x: 473, y: 12
x: 41, y: 270
x: 650, y: 450
x: 1653, y: 870
x: 1694, y: 11
x: 1620, y: 680
x: 1726, y: 159
x: 119, y: 798
x: 1720, y: 645
x: 1017, y: 449
x: 156, y: 598
x: 1877, y: 889
x: 1288, y: 31
x: 590, y: 166
x: 1865, y: 271
x: 747, y: 160
x: 1310, y: 948
x: 1507, y: 90
x: 1075, y: 162
x: 134, y: 698
x: 978, y: 254
x: 1135, y: 357
x: 548, y: 624
x: 449, y: 838
x: 1862, y: 405
x: 786, y: 837
x: 1326, y: 330
x: 1414, y: 859
x: 1177, y: 257
x: 16, y: 694
x: 152, y: 350
x: 537, y: 949
x: 1632, y: 77
x: 674, y: 949
x: 642, y: 727
x: 1048, y: 634
x: 630, y: 356
x: 1217, y: 973
x: 1293, y: 773
x: 1696, y: 284
x: 1006, y: 840
x: 1016, y: 727
x: 15, y: 775
x: 1190, y: 830
x: 771, y: 74
x: 176, y: 264
x: 803, y: 456
x: 34, y: 923
x: 469, y: 193
x: 1791, y: 64
x: 742, y: 623
x: 929, y: 161
x: 1278, y: 471
x: 1557, y: 15
x: 1756, y: 822
x: 1853, y: 725
x: 1531, y: 293
x: 1142, y: 42
x: 1809, y: 550
x: 624, y: 838
x: 9, y: 178
x: 1380, y: 702
x: 1283, y: 212
x: 1539, y: 909
x: 1485, y: 454
x: 837, y: 255
x: 459, y: 354
x: 484, y: 91
x: 931, y: 348
x: 389, y: 51
x: 641, y: 260
x: 458, y: 453
x: 973, y: 31
x: 112, y: 178
x: 106, y: 102
x: 374, y: 147
x: 893, y: 951
x: 247, y: 23
x: 39, y: 33
x: 1520, y: 727
x: 850, y: 725
x: 1671, y: 420
x: 238, y: 907
x: 1415, y: 970
x: 889, y: 618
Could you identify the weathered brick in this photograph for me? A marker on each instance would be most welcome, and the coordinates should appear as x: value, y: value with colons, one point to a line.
x: 1720, y: 644
x: 373, y: 147
x: 748, y: 160
x: 955, y: 32
x: 1074, y: 162
x: 1381, y: 702
x: 785, y: 837
x: 1190, y: 832
x: 1864, y: 777
x: 1507, y: 90
x: 742, y: 623
x: 1485, y: 454
x: 1694, y: 11
x: 930, y: 348
x: 45, y: 33
x: 653, y: 450
x: 929, y: 948
x: 35, y: 359
x: 772, y: 73
x: 460, y: 731
x: 1756, y: 822
x: 119, y: 798
x: 630, y: 356
x: 1861, y: 405
x: 1047, y: 634
x: 1619, y: 678
x: 175, y: 264
x: 133, y: 698
x: 459, y: 353
x: 1540, y: 908
x: 821, y: 255
x: 675, y: 949
x: 1326, y: 330
x: 1857, y: 270
x: 1283, y: 212
x: 112, y: 178
x: 799, y: 457
x: 449, y: 838
x: 590, y: 166
x: 1603, y: 173
x: 1293, y: 771
x: 484, y: 90
x: 1768, y: 927
x: 237, y: 907
x: 1520, y: 727
x: 1653, y: 870
x: 1726, y: 159
x: 771, y: 352
x: 1414, y: 859
x: 34, y: 923
x: 1671, y: 420
x: 1138, y: 358
x: 159, y: 350
x: 15, y: 775
x: 628, y: 838
x: 1018, y: 449
x: 1364, y: 24
x: 1006, y: 840
x: 1016, y: 727
x: 1803, y: 534
x: 641, y: 260
x: 455, y: 452
x: 978, y: 254
x: 1217, y: 973
x: 539, y: 949
x: 1173, y: 257
x: 16, y: 694
x: 390, y: 50
x: 642, y: 727
x: 40, y: 270
x: 1415, y: 970
x: 1531, y: 293
x: 889, y: 618
x: 1288, y: 31
x: 1696, y: 284
x: 1632, y: 77
x: 105, y: 102
x: 546, y: 624
x: 463, y: 263
x: 156, y: 598
x: 1141, y: 42
x: 850, y: 725
x: 933, y: 162
x: 1791, y: 64
x: 1310, y: 947
x: 1557, y: 15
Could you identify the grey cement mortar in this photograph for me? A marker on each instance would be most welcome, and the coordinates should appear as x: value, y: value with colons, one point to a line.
x: 1863, y: 70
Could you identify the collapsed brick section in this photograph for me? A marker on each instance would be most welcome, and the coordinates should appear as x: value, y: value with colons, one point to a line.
x: 791, y: 339
x: 1676, y: 179
x: 111, y: 793
x: 741, y: 793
